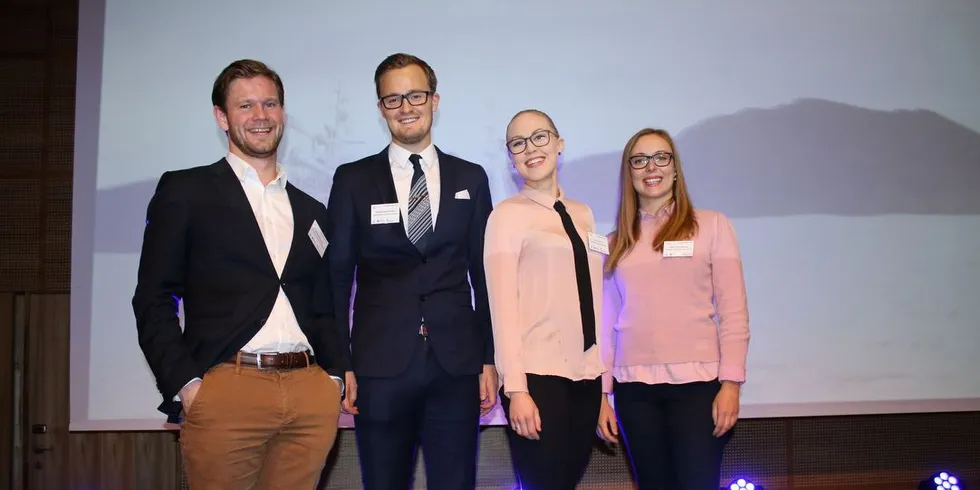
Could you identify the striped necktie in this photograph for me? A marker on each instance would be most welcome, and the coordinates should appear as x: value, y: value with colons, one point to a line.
x: 419, y: 209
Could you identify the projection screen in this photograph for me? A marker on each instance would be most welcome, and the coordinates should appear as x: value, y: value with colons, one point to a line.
x: 841, y: 138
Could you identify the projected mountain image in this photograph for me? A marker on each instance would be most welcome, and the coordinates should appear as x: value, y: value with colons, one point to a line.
x: 812, y: 157
x: 807, y: 157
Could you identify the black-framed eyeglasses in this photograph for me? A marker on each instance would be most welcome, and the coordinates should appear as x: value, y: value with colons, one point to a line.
x: 660, y: 159
x: 518, y: 144
x: 415, y: 98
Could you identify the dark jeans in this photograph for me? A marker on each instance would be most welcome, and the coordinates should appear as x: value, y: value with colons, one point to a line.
x: 668, y: 434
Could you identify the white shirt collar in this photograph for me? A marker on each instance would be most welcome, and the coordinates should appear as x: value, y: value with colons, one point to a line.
x: 398, y: 156
x: 243, y: 170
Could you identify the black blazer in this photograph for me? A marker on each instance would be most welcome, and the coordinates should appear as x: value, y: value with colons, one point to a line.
x: 396, y: 284
x: 203, y: 244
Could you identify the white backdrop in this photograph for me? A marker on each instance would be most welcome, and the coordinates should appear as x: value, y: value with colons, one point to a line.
x: 842, y: 138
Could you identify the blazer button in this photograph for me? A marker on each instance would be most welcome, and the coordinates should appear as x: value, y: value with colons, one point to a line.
x: 422, y: 298
x: 262, y: 321
x: 425, y: 259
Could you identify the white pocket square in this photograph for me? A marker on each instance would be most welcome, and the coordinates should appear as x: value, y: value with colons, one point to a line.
x: 463, y: 194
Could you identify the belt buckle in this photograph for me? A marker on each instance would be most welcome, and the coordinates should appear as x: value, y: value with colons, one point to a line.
x: 258, y: 360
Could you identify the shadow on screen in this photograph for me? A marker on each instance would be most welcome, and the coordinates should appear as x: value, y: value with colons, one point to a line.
x: 806, y: 157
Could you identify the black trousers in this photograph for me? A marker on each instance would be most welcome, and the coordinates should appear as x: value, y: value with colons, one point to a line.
x: 424, y: 406
x: 668, y: 434
x: 569, y: 413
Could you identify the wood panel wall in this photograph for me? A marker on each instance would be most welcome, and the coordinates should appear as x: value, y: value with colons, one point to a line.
x: 124, y: 460
x: 45, y: 393
x: 6, y: 390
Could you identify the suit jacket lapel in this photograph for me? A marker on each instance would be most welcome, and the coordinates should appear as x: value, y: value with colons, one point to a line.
x: 302, y: 221
x: 230, y: 189
x: 386, y: 186
x: 447, y: 184
x: 385, y: 180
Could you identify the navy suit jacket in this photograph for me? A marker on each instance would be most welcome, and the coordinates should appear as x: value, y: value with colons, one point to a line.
x: 397, y: 285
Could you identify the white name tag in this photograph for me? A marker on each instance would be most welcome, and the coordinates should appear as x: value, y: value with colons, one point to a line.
x: 319, y: 241
x: 681, y: 248
x: 598, y: 243
x: 384, y: 213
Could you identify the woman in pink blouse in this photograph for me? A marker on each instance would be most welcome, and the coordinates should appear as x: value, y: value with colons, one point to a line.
x: 544, y: 279
x: 675, y: 327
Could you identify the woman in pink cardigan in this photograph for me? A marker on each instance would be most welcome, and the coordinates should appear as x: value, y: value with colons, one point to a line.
x: 675, y: 327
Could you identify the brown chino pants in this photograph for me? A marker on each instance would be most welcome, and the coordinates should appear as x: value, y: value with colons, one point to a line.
x: 261, y: 429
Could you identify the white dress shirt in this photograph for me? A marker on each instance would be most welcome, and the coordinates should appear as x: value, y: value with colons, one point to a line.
x: 402, y: 172
x: 274, y: 215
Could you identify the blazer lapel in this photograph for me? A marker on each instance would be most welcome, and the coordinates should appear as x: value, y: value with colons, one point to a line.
x: 384, y: 180
x: 302, y: 221
x: 447, y: 194
x: 230, y: 189
x: 386, y: 186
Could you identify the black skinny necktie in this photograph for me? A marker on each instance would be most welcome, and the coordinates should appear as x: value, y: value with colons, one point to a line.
x: 582, y: 276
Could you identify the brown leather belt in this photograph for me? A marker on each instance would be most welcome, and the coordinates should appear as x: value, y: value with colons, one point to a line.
x: 284, y: 360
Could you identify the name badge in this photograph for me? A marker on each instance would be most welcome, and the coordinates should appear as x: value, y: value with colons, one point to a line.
x: 384, y: 213
x: 681, y: 248
x: 598, y: 243
x: 319, y: 241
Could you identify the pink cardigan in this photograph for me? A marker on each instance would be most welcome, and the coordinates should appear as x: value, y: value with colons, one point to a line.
x: 677, y: 319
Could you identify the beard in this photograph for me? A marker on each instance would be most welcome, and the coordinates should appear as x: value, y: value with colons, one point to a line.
x: 410, y: 136
x: 257, y: 147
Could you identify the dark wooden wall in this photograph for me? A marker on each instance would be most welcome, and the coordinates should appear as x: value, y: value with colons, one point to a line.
x: 38, y: 44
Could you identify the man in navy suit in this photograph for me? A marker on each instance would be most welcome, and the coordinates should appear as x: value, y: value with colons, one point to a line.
x: 405, y: 228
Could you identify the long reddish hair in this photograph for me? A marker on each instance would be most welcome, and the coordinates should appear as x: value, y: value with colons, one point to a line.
x: 682, y: 223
